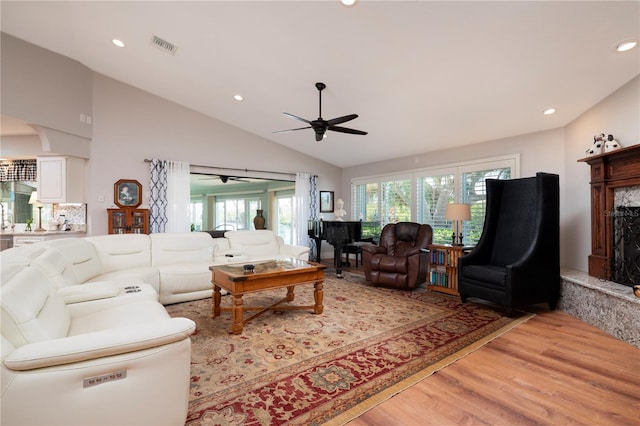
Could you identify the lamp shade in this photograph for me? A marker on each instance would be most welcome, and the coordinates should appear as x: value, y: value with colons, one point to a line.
x: 33, y: 199
x: 458, y: 211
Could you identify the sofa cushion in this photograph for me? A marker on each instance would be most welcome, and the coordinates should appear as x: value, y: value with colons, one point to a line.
x: 183, y: 279
x: 187, y: 247
x: 124, y: 251
x: 53, y: 264
x: 132, y: 276
x: 82, y: 258
x: 32, y: 311
x: 256, y: 243
x: 118, y: 316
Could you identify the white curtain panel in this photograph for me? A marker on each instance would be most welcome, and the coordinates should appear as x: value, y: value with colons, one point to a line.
x: 178, y: 197
x: 302, y: 212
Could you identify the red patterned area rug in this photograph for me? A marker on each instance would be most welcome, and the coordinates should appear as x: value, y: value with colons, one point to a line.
x: 294, y: 367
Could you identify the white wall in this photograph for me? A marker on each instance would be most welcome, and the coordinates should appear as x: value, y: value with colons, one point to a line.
x: 619, y: 115
x: 131, y: 125
x: 44, y: 88
x: 553, y: 151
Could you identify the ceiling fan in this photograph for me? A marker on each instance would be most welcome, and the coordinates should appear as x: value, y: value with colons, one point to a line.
x: 225, y: 178
x: 320, y: 126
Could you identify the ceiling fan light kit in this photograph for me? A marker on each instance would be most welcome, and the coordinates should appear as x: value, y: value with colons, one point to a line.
x: 320, y: 126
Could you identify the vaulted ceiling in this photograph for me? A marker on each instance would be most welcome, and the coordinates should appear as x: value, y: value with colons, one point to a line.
x: 421, y: 75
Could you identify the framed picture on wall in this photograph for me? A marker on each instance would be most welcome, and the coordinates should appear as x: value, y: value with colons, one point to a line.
x: 326, y: 201
x: 127, y: 193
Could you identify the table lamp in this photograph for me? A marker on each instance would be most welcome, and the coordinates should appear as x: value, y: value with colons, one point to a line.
x: 457, y: 212
x: 34, y: 200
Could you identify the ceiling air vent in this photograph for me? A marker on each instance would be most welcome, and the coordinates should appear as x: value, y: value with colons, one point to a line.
x: 163, y: 45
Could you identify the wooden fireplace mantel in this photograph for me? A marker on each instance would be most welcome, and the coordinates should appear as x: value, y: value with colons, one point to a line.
x: 616, y: 169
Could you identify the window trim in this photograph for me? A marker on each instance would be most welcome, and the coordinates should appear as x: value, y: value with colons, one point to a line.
x: 457, y: 169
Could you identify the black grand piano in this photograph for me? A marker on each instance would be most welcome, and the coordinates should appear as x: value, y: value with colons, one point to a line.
x: 337, y: 233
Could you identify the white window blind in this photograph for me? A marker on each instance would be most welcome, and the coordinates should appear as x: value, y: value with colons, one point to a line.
x: 434, y: 193
x: 473, y: 190
x: 396, y: 201
x: 422, y: 196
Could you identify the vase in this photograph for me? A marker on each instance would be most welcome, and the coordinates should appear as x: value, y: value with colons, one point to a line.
x: 258, y: 221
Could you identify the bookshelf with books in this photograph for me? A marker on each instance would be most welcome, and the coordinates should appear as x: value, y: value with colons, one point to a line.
x: 443, y: 267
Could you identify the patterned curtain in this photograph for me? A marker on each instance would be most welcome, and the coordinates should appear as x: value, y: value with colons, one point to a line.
x: 24, y: 170
x: 169, y: 196
x: 313, y: 197
x: 314, y: 212
x: 158, y: 196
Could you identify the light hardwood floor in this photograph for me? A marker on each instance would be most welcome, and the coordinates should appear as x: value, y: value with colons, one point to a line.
x: 552, y: 370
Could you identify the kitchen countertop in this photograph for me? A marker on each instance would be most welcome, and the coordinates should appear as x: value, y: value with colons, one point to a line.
x: 38, y: 233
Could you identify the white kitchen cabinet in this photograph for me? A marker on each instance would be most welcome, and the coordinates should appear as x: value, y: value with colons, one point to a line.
x: 61, y: 179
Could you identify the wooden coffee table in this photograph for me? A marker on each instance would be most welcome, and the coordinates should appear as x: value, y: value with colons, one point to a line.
x: 267, y: 275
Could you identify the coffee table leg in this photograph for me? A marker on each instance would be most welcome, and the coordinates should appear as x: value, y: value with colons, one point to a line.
x: 236, y: 314
x: 318, y: 295
x: 216, y: 301
x: 290, y: 294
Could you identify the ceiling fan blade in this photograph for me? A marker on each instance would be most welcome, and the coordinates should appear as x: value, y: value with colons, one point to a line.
x: 297, y: 118
x: 341, y: 120
x: 291, y: 130
x: 346, y: 130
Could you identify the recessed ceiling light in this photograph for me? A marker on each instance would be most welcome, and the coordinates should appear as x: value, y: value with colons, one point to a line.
x: 117, y: 42
x: 348, y: 2
x: 238, y: 97
x: 623, y: 46
x: 549, y: 111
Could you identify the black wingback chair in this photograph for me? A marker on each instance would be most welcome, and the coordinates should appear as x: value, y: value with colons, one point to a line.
x: 517, y: 259
x: 398, y: 260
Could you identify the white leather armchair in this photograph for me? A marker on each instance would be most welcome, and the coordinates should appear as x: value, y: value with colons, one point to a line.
x: 125, y: 364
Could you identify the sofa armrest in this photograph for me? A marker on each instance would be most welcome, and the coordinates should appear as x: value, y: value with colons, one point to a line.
x: 86, y: 292
x: 100, y: 344
x: 293, y: 251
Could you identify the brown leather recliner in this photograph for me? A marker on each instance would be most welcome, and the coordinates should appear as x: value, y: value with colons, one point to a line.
x: 398, y: 261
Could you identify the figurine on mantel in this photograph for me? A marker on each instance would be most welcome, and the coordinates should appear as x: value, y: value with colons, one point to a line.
x: 611, y: 144
x: 603, y: 143
x: 340, y: 212
x: 598, y: 144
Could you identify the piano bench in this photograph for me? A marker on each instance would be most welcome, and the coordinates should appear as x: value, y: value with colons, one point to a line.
x: 353, y: 249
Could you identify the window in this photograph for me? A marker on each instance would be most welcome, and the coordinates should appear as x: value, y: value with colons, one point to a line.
x: 197, y: 214
x: 14, y: 196
x: 423, y: 195
x: 235, y: 213
x: 396, y: 200
x: 473, y: 191
x: 284, y: 219
x: 434, y: 193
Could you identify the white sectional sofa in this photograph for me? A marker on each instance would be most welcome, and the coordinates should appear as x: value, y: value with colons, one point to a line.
x: 85, y: 340
x: 111, y: 364
x: 171, y: 267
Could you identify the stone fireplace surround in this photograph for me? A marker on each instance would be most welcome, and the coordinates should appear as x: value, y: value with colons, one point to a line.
x: 612, y: 307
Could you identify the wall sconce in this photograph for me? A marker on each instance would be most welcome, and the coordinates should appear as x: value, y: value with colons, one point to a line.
x: 457, y: 213
x: 34, y: 200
